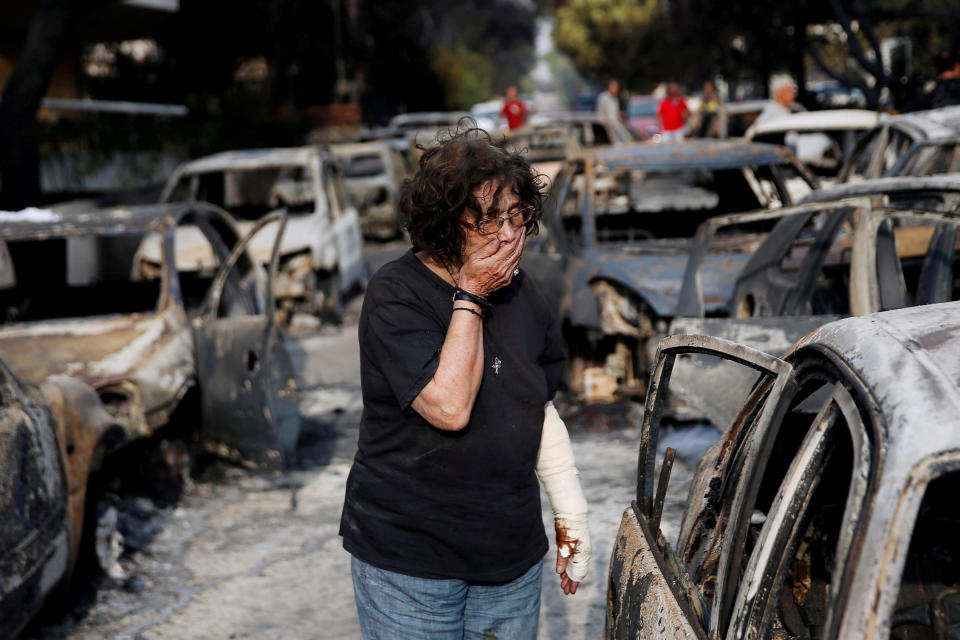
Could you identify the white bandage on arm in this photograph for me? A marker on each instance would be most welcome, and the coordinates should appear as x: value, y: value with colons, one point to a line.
x: 557, y: 471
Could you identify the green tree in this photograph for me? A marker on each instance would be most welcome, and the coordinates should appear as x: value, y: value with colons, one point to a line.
x: 465, y: 75
x: 605, y: 37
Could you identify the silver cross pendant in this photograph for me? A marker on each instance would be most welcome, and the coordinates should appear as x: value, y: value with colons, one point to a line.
x: 496, y: 365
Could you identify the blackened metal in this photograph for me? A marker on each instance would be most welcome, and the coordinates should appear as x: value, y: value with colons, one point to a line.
x: 665, y: 469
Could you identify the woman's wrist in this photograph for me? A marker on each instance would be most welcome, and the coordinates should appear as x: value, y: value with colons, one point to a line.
x: 464, y: 295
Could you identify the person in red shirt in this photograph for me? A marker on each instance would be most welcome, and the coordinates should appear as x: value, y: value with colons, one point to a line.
x: 514, y: 110
x: 672, y: 114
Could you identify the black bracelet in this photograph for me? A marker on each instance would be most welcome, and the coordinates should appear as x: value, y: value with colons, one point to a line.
x: 476, y: 313
x: 466, y: 296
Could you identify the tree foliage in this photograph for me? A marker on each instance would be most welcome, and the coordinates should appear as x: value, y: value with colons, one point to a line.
x: 605, y: 37
x: 644, y: 43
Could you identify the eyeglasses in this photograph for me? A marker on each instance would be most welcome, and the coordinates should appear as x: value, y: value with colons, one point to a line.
x: 489, y: 226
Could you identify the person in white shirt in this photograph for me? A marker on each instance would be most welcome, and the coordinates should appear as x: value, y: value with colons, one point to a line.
x: 783, y: 93
x: 608, y: 104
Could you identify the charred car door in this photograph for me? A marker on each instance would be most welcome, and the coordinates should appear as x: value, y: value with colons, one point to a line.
x: 247, y: 388
x: 689, y: 593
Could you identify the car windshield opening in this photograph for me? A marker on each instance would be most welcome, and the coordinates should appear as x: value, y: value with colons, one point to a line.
x: 78, y: 277
x: 632, y: 204
x: 250, y: 193
x: 363, y: 166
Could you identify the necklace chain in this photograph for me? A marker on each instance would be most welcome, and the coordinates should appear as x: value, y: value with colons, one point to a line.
x: 456, y: 282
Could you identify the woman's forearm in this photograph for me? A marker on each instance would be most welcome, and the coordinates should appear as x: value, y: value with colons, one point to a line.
x: 447, y: 400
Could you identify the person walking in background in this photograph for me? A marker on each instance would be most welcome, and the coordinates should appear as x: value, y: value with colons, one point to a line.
x: 783, y: 93
x: 672, y: 114
x: 442, y: 509
x: 514, y: 109
x: 608, y: 102
x: 709, y: 112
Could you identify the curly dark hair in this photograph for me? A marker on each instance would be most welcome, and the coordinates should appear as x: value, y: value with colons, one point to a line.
x: 442, y: 190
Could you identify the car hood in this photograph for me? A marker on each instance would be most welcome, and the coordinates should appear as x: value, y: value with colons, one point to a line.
x: 97, y: 350
x: 655, y: 272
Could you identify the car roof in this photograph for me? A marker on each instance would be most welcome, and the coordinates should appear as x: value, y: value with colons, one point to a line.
x: 253, y: 159
x: 691, y: 154
x: 942, y: 182
x: 73, y: 220
x: 917, y: 344
x: 428, y: 118
x: 351, y: 148
x: 550, y: 117
x: 933, y: 123
x: 826, y: 120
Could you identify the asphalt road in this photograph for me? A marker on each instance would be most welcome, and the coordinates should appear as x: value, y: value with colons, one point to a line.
x: 247, y: 554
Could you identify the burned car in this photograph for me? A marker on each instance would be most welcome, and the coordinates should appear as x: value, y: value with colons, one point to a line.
x: 887, y: 149
x: 853, y: 249
x: 615, y: 236
x: 373, y: 173
x: 546, y: 149
x: 590, y: 129
x: 81, y: 300
x: 826, y: 508
x: 44, y: 450
x: 822, y: 140
x: 321, y: 255
x: 119, y: 345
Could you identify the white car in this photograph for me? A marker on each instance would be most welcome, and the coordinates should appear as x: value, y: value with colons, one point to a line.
x: 820, y: 139
x: 321, y: 258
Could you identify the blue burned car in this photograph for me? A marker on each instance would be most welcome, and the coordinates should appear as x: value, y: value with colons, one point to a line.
x: 615, y: 238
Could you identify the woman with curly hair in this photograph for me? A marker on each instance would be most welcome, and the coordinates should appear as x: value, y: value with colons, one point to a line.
x: 460, y: 358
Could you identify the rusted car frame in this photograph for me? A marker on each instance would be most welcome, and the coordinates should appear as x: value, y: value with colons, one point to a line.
x: 613, y: 257
x: 826, y: 518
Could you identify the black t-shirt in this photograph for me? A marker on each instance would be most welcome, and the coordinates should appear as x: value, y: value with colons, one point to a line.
x: 440, y: 504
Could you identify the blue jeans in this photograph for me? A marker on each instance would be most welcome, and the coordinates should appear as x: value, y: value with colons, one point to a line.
x: 393, y: 605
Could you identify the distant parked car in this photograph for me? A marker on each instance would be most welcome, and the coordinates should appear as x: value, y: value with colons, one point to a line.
x: 831, y: 94
x: 373, y: 173
x: 487, y: 115
x: 821, y: 139
x: 827, y: 508
x: 591, y: 129
x: 615, y: 237
x: 423, y: 126
x: 322, y: 251
x: 546, y: 148
x: 879, y: 152
x: 642, y: 116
